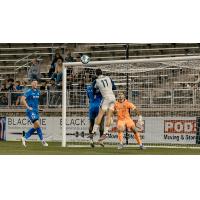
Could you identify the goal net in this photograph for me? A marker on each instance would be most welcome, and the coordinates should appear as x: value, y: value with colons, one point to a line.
x: 165, y: 90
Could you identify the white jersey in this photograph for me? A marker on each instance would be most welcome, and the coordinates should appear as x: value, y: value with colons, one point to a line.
x: 105, y: 85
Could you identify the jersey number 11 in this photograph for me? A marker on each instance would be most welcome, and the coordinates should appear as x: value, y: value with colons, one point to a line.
x: 105, y: 83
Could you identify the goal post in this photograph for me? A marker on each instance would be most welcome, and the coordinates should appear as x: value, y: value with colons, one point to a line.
x: 91, y: 64
x: 64, y: 100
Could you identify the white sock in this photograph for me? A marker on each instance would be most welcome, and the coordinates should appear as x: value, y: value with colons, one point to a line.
x: 95, y: 128
x: 106, y: 130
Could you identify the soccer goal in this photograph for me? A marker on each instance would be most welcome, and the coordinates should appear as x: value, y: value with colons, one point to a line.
x: 165, y: 90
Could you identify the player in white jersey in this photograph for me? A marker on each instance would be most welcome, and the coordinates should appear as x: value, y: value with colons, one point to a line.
x: 106, y: 87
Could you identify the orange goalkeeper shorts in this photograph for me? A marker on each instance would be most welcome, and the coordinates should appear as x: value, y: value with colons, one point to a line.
x: 128, y: 122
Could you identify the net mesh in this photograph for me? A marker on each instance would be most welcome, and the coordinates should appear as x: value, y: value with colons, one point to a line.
x: 166, y: 93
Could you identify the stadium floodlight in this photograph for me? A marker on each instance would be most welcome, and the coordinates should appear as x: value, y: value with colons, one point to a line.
x: 91, y: 64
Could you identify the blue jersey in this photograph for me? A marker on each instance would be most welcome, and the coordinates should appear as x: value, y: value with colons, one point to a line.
x: 32, y: 98
x: 94, y: 96
x: 95, y: 99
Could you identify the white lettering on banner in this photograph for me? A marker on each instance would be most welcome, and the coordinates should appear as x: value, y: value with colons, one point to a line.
x: 180, y: 126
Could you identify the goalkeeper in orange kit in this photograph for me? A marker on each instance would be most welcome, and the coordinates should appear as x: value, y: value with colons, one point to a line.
x: 122, y: 107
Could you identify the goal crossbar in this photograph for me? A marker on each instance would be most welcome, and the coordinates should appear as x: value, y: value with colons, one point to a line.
x: 93, y: 63
x: 143, y: 60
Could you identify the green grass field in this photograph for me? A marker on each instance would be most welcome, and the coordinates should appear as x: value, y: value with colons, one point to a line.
x: 35, y: 148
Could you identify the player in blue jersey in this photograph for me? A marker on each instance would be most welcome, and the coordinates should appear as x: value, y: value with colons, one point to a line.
x: 31, y: 101
x: 95, y: 99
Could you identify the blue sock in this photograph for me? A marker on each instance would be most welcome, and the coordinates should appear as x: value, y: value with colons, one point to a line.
x: 29, y: 133
x: 39, y: 132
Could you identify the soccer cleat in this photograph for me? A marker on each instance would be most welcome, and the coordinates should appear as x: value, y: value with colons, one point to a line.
x: 90, y: 136
x: 142, y: 147
x: 120, y: 146
x: 101, y: 144
x: 23, y: 141
x: 45, y: 144
x: 103, y: 137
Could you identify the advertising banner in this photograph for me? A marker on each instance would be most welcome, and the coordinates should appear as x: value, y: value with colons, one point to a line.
x: 168, y: 130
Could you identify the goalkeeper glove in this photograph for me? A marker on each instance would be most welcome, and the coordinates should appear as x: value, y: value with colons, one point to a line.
x: 140, y: 121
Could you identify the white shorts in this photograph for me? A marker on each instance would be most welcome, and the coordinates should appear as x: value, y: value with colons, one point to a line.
x: 108, y: 104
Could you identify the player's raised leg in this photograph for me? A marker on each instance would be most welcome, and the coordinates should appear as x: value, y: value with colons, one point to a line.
x: 108, y: 119
x: 98, y: 121
x: 108, y: 108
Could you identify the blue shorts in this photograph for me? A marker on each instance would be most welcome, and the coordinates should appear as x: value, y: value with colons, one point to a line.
x: 93, y: 111
x: 32, y: 115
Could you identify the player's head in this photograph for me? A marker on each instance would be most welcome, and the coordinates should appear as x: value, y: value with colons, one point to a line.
x: 94, y: 78
x: 34, y: 83
x: 98, y: 72
x: 121, y: 97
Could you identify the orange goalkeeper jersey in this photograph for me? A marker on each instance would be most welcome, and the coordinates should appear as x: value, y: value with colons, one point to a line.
x: 123, y: 109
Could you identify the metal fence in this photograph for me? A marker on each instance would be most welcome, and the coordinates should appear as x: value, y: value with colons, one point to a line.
x: 167, y: 97
x: 141, y: 97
